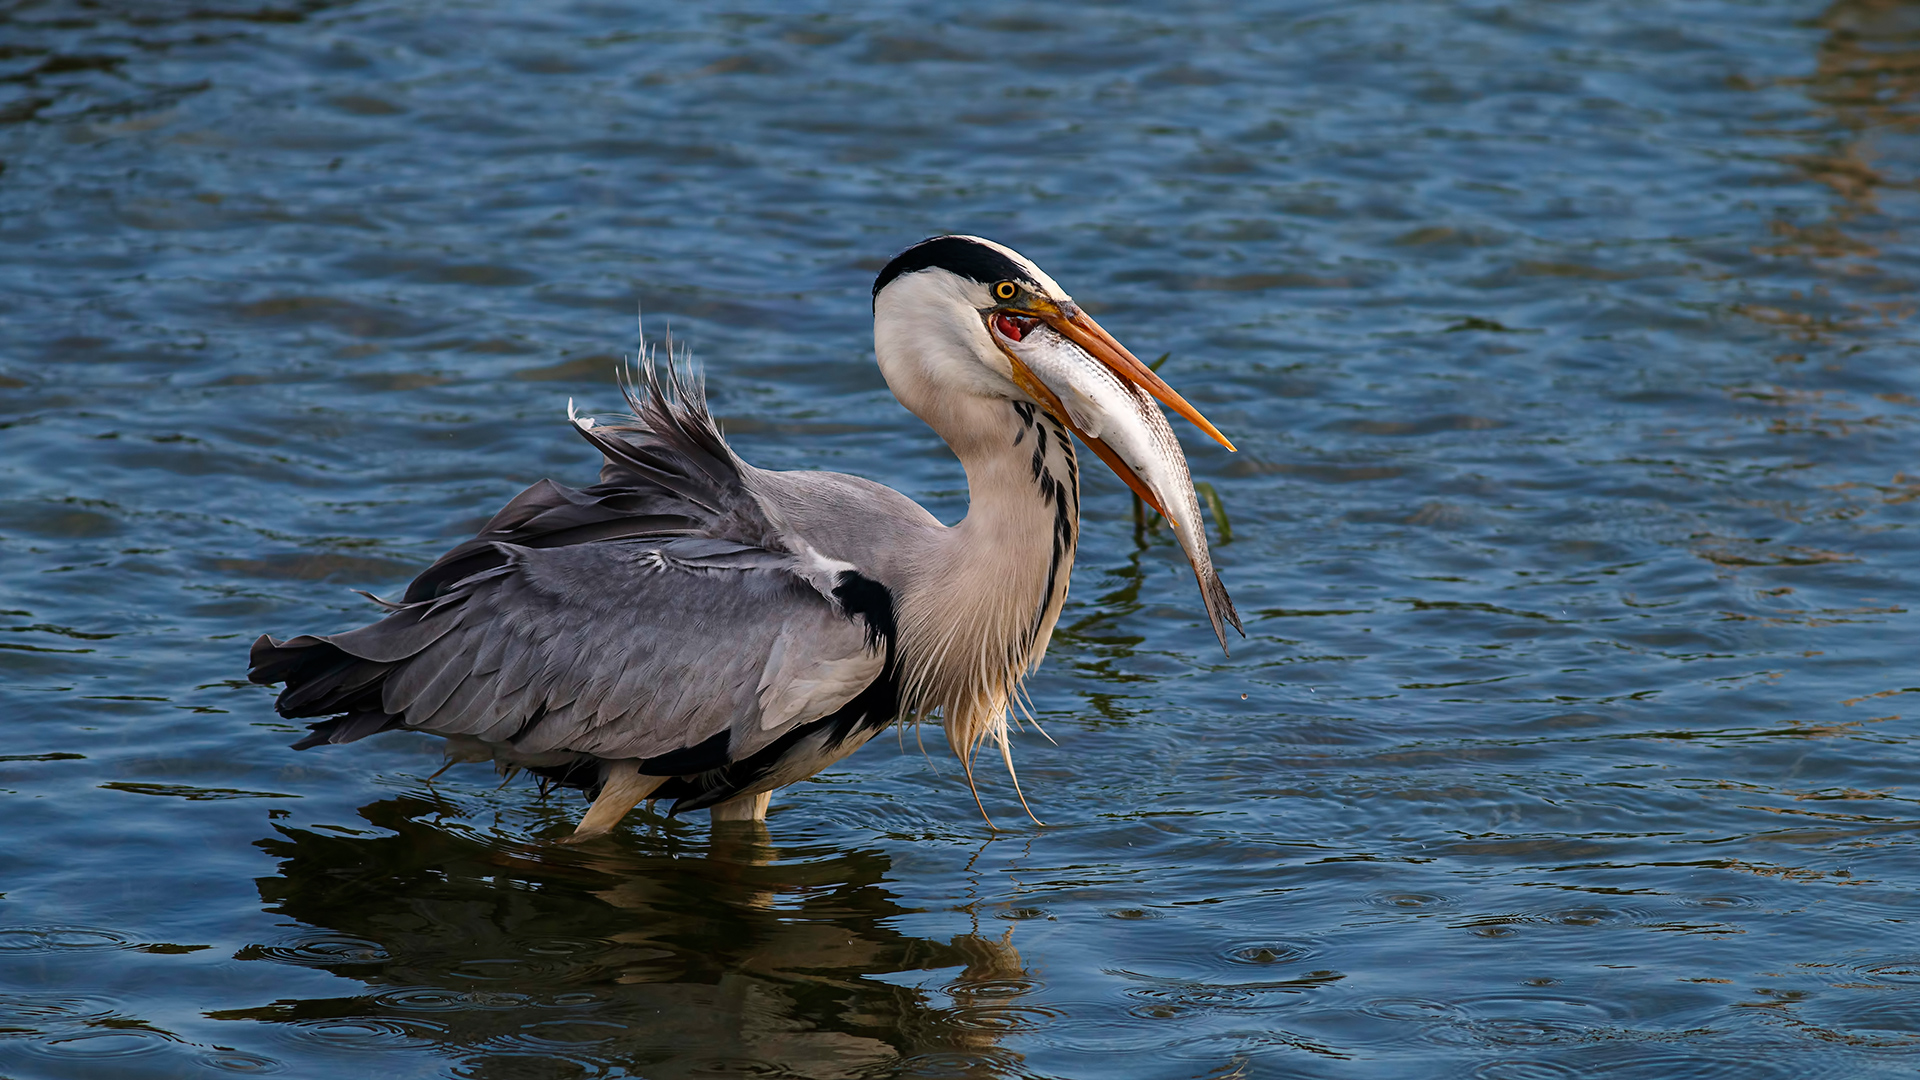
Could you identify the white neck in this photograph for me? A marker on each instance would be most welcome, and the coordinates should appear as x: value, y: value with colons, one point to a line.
x: 995, y: 582
x: 988, y: 591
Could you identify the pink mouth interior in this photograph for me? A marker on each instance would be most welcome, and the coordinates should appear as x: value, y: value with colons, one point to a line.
x: 1013, y: 327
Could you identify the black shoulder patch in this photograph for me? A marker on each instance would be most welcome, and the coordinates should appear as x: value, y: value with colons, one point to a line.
x: 962, y: 255
x: 710, y: 754
x: 861, y: 595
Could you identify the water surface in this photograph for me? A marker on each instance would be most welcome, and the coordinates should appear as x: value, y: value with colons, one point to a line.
x: 1568, y: 348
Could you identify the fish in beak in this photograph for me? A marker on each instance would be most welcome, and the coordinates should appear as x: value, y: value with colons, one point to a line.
x: 1105, y: 395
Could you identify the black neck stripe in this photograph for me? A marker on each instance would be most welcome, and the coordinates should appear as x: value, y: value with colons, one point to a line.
x: 959, y: 254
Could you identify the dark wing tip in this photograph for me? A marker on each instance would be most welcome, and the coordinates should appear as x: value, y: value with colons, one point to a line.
x: 345, y: 729
x: 314, y: 737
x: 258, y: 655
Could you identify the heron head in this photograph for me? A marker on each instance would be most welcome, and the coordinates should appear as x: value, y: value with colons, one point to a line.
x: 959, y: 322
x: 964, y: 314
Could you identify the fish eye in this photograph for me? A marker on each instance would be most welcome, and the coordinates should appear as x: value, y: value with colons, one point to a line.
x: 1006, y: 290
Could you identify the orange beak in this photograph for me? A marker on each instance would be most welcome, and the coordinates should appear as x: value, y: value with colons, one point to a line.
x: 1078, y: 327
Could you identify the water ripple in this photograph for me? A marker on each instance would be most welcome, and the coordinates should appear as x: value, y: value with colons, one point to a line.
x: 376, y: 1034
x: 320, y: 950
x: 43, y: 939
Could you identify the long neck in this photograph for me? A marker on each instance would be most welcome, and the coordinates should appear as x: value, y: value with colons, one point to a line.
x: 989, y: 607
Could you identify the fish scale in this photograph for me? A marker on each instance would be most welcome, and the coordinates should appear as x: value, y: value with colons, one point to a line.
x: 1130, y: 423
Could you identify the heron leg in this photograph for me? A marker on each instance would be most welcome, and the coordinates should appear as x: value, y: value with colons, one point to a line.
x: 621, y: 788
x: 744, y: 808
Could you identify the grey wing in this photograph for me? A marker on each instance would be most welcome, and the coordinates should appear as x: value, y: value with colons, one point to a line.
x: 658, y: 615
x: 690, y: 654
x: 666, y: 472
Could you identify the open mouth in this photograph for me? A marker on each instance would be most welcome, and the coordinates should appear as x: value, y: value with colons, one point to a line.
x: 1013, y: 327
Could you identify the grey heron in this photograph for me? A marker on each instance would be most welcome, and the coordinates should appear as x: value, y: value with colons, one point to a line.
x: 695, y: 628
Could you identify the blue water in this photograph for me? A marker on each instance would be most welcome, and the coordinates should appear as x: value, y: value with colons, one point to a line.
x: 1568, y: 347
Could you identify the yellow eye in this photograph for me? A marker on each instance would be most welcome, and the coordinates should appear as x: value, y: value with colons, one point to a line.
x: 1006, y: 290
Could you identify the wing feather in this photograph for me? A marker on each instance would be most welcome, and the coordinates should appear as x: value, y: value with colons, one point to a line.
x: 659, y: 614
x: 624, y: 649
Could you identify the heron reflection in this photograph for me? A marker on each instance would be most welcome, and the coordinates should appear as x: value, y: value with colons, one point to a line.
x: 768, y: 959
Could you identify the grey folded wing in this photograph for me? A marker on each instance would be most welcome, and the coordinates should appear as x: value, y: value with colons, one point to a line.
x: 665, y: 472
x: 687, y: 653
